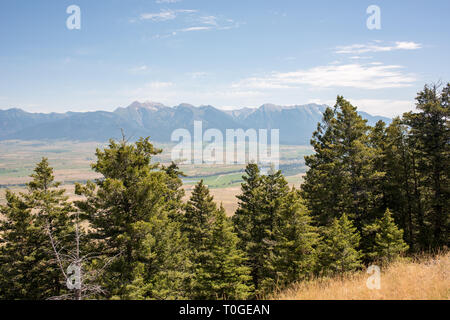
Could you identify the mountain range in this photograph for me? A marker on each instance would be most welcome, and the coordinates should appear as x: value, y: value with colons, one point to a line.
x: 296, y: 123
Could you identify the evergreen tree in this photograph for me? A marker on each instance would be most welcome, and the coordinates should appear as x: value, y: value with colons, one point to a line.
x: 294, y: 256
x: 388, y: 242
x: 401, y: 176
x: 129, y: 214
x: 340, y: 177
x: 176, y: 193
x: 35, y: 221
x: 223, y: 274
x: 258, y: 210
x: 379, y: 143
x: 247, y: 206
x: 199, y: 216
x: 24, y: 258
x: 218, y: 266
x: 429, y: 130
x: 339, y: 247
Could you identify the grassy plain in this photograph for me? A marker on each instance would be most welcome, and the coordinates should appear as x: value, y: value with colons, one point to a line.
x: 72, y: 161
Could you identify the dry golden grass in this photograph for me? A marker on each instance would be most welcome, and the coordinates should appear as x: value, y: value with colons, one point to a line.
x: 224, y: 196
x: 423, y: 279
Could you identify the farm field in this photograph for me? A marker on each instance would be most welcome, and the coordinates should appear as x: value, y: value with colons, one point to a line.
x: 72, y: 161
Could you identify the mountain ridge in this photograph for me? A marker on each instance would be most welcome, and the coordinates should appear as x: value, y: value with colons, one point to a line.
x: 154, y: 119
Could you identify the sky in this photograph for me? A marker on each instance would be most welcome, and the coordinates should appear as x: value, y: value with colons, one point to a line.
x: 225, y: 53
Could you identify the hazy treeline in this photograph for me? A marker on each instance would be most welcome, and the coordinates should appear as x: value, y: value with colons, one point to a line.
x: 370, y: 195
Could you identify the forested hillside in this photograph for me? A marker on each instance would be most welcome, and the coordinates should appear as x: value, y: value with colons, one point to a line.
x: 371, y: 194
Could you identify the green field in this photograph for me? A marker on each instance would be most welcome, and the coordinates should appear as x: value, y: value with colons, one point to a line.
x: 72, y: 161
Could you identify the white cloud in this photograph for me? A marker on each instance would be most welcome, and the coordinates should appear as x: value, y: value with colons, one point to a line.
x: 195, y: 29
x: 347, y: 75
x: 211, y: 20
x: 139, y: 69
x: 164, y: 14
x: 408, y: 45
x: 194, y: 21
x: 375, y: 46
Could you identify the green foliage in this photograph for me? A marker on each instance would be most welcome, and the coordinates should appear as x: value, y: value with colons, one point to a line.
x: 29, y: 269
x: 294, y: 255
x: 275, y: 231
x: 218, y: 265
x: 404, y: 167
x: 199, y: 215
x: 129, y: 212
x: 223, y: 274
x: 339, y: 247
x: 430, y: 135
x: 22, y: 252
x: 340, y: 173
x: 145, y: 243
x: 243, y: 219
x: 388, y: 239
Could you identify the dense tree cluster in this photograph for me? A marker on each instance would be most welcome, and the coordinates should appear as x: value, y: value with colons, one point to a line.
x: 373, y: 173
x: 370, y: 194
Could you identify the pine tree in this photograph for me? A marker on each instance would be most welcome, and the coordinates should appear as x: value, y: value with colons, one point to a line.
x: 430, y: 133
x: 223, y: 274
x: 339, y: 248
x: 400, y: 183
x: 294, y: 256
x: 258, y: 208
x: 35, y: 221
x: 247, y: 206
x: 176, y: 193
x: 378, y: 141
x: 129, y: 212
x: 388, y: 239
x: 339, y: 178
x: 218, y: 266
x: 24, y: 258
x: 199, y: 216
x: 54, y: 212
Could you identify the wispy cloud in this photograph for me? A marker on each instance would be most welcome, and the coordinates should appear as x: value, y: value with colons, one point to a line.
x: 210, y: 20
x: 164, y: 15
x: 139, y: 69
x: 198, y: 74
x: 160, y: 16
x: 346, y: 75
x: 376, y: 46
x: 194, y: 29
x: 192, y: 21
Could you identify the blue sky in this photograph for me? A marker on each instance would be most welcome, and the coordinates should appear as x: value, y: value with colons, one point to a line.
x: 226, y: 53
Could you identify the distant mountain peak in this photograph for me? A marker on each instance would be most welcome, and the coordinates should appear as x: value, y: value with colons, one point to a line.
x: 296, y: 123
x: 270, y: 107
x: 186, y: 105
x: 147, y: 105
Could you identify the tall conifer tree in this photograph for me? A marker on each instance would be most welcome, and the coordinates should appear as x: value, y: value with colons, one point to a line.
x: 129, y: 212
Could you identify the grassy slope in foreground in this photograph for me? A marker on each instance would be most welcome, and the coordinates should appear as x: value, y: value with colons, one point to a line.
x: 424, y: 279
